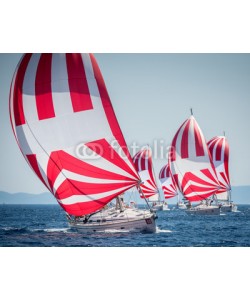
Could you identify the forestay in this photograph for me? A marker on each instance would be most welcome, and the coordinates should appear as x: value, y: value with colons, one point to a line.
x: 66, y: 128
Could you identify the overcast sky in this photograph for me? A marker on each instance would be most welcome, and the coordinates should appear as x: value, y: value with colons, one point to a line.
x: 152, y: 95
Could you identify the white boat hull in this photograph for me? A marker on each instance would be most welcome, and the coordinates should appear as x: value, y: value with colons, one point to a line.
x: 165, y: 207
x: 157, y: 207
x: 131, y: 220
x: 228, y: 208
x: 181, y: 206
x: 204, y: 210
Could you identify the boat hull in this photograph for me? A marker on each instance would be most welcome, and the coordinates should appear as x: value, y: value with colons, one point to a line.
x: 181, y: 206
x: 157, y: 207
x: 165, y: 207
x: 130, y: 220
x: 228, y: 208
x: 204, y: 210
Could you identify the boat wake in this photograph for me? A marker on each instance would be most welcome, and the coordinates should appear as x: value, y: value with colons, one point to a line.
x: 56, y: 229
x: 158, y: 230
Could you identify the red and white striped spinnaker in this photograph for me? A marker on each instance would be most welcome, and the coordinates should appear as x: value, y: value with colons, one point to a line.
x: 167, y: 183
x: 66, y: 128
x: 144, y: 166
x: 219, y: 150
x: 191, y: 164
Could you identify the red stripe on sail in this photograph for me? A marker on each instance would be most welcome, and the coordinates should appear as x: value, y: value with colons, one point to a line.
x: 44, y: 101
x: 211, y: 145
x: 184, y: 141
x: 198, y: 141
x: 84, y: 208
x: 78, y: 85
x: 205, y: 186
x: 210, y: 175
x: 110, y: 154
x: 18, y: 89
x: 60, y: 160
x: 142, y: 161
x: 34, y: 164
x: 109, y: 111
x: 173, y: 146
x: 226, y: 161
x: 218, y: 150
x: 225, y: 178
x: 86, y: 188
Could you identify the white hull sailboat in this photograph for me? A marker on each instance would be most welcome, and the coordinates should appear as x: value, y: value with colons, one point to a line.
x: 168, y: 185
x: 192, y: 168
x: 132, y: 220
x: 181, y: 205
x: 204, y: 210
x: 66, y: 128
x: 225, y: 207
x: 165, y: 206
x: 148, y: 187
x: 219, y: 150
x: 157, y: 207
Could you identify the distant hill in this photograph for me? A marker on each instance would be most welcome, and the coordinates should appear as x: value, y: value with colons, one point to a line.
x: 24, y: 198
x: 240, y: 195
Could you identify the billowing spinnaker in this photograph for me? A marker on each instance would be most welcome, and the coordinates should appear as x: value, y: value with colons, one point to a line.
x: 66, y: 128
x: 144, y: 166
x: 168, y: 185
x: 219, y: 150
x: 191, y: 164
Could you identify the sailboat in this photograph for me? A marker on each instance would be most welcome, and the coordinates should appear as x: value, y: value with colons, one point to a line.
x: 169, y: 187
x: 144, y: 166
x: 66, y: 128
x: 219, y: 150
x: 192, y: 168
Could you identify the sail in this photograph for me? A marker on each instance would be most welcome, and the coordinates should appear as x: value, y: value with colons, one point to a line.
x: 191, y: 163
x: 219, y: 150
x: 144, y: 166
x: 168, y: 185
x: 66, y: 128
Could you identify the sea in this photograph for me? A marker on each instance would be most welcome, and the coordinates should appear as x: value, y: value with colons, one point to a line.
x: 46, y: 226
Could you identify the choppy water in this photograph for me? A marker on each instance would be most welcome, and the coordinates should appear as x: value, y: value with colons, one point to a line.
x: 46, y: 225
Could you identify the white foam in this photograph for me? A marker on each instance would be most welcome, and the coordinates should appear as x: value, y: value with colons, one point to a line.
x: 158, y: 230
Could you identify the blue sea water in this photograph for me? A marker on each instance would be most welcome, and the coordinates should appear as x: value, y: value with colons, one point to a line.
x: 46, y: 226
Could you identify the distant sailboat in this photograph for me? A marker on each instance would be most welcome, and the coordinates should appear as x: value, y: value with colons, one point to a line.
x: 169, y: 187
x: 192, y: 168
x: 144, y: 166
x: 219, y: 150
x: 66, y: 128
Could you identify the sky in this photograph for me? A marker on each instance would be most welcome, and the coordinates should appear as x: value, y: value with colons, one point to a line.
x: 152, y: 95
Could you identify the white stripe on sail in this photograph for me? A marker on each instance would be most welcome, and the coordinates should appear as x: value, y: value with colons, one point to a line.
x: 65, y: 174
x: 43, y: 160
x: 12, y: 115
x: 179, y: 139
x: 29, y: 93
x: 60, y: 86
x: 99, y: 162
x: 88, y: 198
